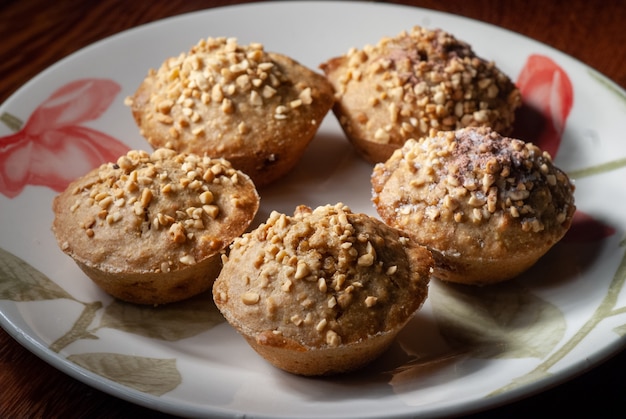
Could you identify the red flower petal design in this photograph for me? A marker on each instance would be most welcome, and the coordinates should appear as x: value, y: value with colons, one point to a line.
x: 74, y: 103
x: 38, y: 154
x: 548, y: 97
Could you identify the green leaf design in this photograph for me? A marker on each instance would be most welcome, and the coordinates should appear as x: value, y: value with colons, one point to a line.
x: 79, y: 329
x: 149, y: 375
x: 499, y: 321
x: 21, y: 282
x: 621, y: 330
x: 598, y: 169
x: 532, y: 377
x: 11, y: 121
x: 169, y: 322
x: 614, y: 164
x: 607, y: 308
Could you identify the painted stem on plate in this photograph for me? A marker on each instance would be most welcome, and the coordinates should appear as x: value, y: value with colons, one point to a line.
x: 604, y: 310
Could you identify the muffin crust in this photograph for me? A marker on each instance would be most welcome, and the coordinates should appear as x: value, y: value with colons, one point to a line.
x: 257, y: 109
x: 323, y: 291
x: 149, y: 228
x: 423, y: 79
x: 488, y: 206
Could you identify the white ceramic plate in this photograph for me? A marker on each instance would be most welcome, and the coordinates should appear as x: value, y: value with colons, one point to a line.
x: 465, y: 350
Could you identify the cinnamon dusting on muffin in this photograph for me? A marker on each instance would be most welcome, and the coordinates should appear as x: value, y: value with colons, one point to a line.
x: 423, y: 79
x: 471, y: 174
x: 489, y: 206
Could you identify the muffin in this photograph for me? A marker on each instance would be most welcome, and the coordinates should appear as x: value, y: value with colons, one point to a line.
x: 487, y: 206
x: 323, y: 291
x: 404, y: 86
x: 149, y: 228
x: 257, y: 109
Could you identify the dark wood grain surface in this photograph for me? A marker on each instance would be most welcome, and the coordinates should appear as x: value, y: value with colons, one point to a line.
x: 34, y: 34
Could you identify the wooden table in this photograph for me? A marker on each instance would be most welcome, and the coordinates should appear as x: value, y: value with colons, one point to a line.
x: 36, y: 33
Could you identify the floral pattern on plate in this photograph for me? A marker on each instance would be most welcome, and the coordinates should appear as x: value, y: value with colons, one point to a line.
x: 38, y: 154
x: 164, y: 353
x: 478, y: 323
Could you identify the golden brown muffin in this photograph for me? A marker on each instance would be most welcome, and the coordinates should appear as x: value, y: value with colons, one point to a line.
x: 149, y: 228
x: 403, y: 87
x: 322, y: 292
x: 257, y: 109
x: 488, y: 206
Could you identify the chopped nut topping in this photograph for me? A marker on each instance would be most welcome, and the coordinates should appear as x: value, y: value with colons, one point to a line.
x: 476, y: 192
x: 188, y: 260
x: 165, y: 267
x: 321, y: 325
x: 302, y: 270
x: 324, y: 270
x: 286, y: 286
x: 212, y: 73
x: 146, y: 197
x: 250, y: 298
x: 321, y: 284
x: 160, y: 193
x: 370, y: 301
x: 472, y: 154
x: 333, y: 339
x: 420, y: 80
x: 296, y: 319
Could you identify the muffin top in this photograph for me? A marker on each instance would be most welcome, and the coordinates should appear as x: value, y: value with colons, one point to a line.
x: 475, y: 191
x: 154, y: 212
x: 322, y: 278
x: 225, y: 99
x: 423, y: 79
